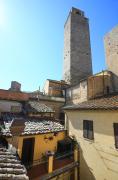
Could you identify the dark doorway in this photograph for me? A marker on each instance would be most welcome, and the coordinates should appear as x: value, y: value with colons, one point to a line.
x: 3, y: 142
x: 28, y: 151
x: 64, y: 146
x: 62, y: 118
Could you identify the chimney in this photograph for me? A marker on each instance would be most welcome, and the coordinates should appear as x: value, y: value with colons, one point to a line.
x: 17, y: 126
x: 15, y: 86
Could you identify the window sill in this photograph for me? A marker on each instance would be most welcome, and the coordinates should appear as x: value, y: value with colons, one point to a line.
x: 114, y: 148
x: 89, y: 140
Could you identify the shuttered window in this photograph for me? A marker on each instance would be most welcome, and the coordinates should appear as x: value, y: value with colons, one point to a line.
x: 88, y: 129
x: 116, y: 134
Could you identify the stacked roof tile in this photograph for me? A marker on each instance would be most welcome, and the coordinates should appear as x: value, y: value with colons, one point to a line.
x: 33, y: 126
x: 40, y: 127
x: 35, y: 106
x: 10, y: 166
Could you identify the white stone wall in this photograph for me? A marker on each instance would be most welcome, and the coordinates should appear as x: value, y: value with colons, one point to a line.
x: 77, y: 94
x: 8, y: 106
x: 46, y: 87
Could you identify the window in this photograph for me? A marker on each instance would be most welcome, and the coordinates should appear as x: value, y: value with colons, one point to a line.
x: 88, y: 129
x: 15, y: 109
x: 108, y: 90
x: 116, y: 134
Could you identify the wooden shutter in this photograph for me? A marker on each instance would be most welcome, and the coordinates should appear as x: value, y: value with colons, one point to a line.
x: 85, y: 129
x: 90, y: 132
x: 116, y: 134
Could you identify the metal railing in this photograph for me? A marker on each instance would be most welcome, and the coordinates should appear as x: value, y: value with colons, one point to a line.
x: 63, y: 155
x: 43, y: 160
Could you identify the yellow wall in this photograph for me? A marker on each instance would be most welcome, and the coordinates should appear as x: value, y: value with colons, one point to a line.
x: 41, y: 145
x: 98, y: 158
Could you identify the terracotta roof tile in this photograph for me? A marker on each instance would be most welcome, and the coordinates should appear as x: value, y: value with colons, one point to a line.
x: 10, y: 166
x: 105, y: 103
x: 35, y: 106
x: 11, y: 95
x: 33, y: 126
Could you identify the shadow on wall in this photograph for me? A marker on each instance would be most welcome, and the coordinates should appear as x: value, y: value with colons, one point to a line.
x: 115, y: 82
x: 85, y: 171
x: 98, y: 124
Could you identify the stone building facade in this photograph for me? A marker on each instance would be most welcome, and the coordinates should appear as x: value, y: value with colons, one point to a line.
x: 100, y: 143
x: 111, y: 51
x: 100, y: 84
x: 77, y: 49
x: 54, y: 88
x: 15, y: 86
x: 78, y: 93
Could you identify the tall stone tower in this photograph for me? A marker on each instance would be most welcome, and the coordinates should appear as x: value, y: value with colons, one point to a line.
x: 77, y: 49
x: 111, y: 52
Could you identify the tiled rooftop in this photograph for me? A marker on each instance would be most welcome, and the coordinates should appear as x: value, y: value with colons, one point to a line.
x: 35, y: 106
x: 10, y: 166
x: 33, y: 126
x: 11, y: 95
x: 103, y: 103
x: 39, y: 127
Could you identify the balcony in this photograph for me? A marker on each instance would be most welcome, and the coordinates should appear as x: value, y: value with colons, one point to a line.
x: 60, y: 160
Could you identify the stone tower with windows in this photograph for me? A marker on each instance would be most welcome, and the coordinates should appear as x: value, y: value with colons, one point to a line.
x: 111, y: 52
x: 77, y: 49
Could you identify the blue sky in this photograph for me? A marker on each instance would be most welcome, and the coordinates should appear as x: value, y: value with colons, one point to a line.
x: 31, y: 38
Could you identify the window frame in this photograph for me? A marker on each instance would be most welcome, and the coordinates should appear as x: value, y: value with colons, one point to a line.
x: 115, y: 127
x: 88, y: 130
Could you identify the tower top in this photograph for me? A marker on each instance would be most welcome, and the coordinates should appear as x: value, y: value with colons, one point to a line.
x: 74, y: 11
x: 77, y: 11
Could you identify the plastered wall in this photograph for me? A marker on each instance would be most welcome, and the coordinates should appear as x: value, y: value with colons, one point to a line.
x: 99, y: 158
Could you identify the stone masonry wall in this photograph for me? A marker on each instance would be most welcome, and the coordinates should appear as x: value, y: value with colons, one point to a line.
x: 77, y: 49
x: 111, y: 51
x: 77, y: 94
x: 55, y: 105
x: 100, y: 85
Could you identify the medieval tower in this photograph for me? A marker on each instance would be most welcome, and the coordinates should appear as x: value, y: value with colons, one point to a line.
x: 77, y: 49
x: 111, y: 51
